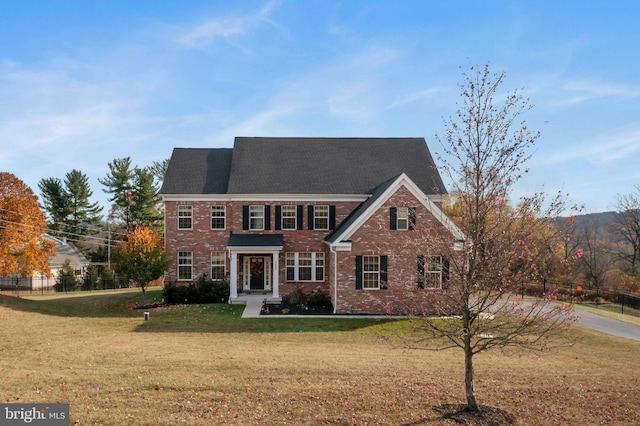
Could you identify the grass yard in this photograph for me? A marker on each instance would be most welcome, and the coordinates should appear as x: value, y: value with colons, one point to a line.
x: 204, y: 365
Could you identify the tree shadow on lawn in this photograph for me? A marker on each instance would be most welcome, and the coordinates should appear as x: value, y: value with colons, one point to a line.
x: 210, y: 318
x: 224, y: 318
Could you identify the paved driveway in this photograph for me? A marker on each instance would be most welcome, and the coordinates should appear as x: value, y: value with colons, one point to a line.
x: 607, y: 325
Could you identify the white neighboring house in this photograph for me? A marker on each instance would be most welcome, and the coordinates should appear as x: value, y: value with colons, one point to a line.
x: 65, y: 250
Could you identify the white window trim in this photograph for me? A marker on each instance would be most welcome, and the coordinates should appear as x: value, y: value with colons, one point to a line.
x: 433, y: 272
x: 283, y: 217
x: 254, y: 209
x: 315, y: 256
x: 365, y: 272
x: 402, y: 217
x: 221, y: 255
x: 224, y: 217
x: 316, y: 217
x: 190, y: 265
x: 184, y: 208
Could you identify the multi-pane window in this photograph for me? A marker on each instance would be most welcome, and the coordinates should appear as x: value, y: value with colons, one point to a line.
x: 371, y: 272
x: 185, y: 265
x: 305, y: 266
x: 256, y: 218
x: 402, y: 218
x: 185, y: 217
x: 289, y: 216
x: 218, y: 265
x: 433, y: 272
x: 321, y: 217
x: 218, y: 217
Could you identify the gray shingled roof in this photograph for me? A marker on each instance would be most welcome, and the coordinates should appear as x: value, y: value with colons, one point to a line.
x: 302, y: 166
x: 198, y: 171
x: 255, y: 240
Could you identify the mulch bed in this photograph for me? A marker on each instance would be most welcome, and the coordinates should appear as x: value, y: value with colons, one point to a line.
x: 487, y: 416
x: 320, y: 308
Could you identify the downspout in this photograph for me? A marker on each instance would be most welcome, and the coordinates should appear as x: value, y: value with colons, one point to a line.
x: 335, y: 278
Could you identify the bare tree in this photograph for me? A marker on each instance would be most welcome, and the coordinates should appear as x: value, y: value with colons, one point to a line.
x: 484, y: 154
x: 627, y: 225
x: 595, y: 255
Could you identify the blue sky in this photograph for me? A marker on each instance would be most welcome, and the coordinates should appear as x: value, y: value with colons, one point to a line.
x: 83, y: 83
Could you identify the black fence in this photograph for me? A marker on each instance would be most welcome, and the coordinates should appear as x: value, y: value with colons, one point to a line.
x: 622, y: 299
x: 65, y: 284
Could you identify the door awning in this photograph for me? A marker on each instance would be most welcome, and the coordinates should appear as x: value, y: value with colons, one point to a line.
x: 273, y: 241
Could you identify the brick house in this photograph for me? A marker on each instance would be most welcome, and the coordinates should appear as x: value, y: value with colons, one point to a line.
x: 352, y: 217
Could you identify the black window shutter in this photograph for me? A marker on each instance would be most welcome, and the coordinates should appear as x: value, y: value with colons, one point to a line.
x: 278, y: 218
x: 310, y: 218
x: 445, y: 271
x: 393, y: 218
x: 358, y: 272
x: 420, y: 271
x: 267, y: 217
x: 332, y: 217
x: 383, y: 272
x: 412, y: 218
x: 300, y: 214
x: 245, y: 217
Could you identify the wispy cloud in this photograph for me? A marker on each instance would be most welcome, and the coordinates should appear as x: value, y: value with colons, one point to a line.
x: 422, y: 95
x: 228, y: 29
x: 620, y: 144
x: 582, y: 91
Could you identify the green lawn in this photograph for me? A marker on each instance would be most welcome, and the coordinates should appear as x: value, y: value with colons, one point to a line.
x: 204, y: 365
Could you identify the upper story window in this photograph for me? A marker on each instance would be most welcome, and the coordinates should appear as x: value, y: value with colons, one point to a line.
x: 218, y: 217
x: 321, y: 217
x: 256, y: 218
x: 185, y: 217
x: 289, y: 217
x: 402, y: 218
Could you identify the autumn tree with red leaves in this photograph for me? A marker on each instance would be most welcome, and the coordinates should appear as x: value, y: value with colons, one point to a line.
x: 23, y: 249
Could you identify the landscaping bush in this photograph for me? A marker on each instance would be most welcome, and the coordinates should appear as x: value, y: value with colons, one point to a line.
x: 202, y: 291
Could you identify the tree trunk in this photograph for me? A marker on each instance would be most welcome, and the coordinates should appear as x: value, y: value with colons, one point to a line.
x: 472, y: 404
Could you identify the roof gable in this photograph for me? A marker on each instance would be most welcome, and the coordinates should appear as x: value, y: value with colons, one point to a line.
x: 348, y: 227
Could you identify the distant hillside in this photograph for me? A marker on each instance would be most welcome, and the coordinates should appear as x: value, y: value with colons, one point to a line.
x: 603, y: 222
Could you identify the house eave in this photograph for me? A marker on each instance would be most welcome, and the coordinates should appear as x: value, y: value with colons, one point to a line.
x: 356, y: 198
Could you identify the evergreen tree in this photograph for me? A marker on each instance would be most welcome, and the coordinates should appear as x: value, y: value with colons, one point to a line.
x: 119, y: 183
x: 83, y: 212
x: 56, y: 203
x: 145, y: 208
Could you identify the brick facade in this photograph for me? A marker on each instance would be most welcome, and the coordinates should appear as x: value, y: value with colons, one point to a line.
x: 374, y: 237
